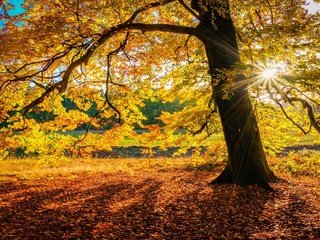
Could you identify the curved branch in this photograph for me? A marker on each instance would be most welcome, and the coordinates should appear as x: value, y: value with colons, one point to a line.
x: 303, y: 94
x: 127, y: 25
x: 305, y: 104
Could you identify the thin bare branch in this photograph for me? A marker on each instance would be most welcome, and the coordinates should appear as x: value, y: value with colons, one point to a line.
x: 107, y: 100
x: 28, y: 76
x: 290, y: 119
x: 284, y: 111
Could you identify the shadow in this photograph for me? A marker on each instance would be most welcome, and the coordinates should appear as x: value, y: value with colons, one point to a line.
x: 176, y: 205
x: 241, y: 210
x: 10, y: 187
x: 296, y: 227
x: 297, y: 148
x: 65, y: 213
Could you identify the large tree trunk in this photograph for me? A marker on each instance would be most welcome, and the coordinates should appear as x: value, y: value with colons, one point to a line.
x: 246, y: 158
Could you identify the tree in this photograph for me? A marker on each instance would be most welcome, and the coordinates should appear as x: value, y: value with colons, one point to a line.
x: 246, y: 162
x: 128, y: 48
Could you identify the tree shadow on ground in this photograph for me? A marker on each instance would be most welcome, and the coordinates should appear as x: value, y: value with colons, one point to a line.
x: 162, y: 206
x: 293, y: 214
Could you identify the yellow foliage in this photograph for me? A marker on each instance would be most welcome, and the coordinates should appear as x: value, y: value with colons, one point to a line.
x: 80, y: 51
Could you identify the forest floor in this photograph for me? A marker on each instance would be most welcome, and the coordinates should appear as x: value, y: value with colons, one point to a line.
x: 159, y: 203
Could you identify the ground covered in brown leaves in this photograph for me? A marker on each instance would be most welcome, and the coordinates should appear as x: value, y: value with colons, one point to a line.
x: 156, y: 205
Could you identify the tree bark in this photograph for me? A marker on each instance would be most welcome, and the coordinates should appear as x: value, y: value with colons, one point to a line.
x: 246, y: 158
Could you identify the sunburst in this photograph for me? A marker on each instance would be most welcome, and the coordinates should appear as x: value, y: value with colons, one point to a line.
x: 268, y: 74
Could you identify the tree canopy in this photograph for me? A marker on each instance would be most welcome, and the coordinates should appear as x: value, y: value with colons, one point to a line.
x: 118, y: 53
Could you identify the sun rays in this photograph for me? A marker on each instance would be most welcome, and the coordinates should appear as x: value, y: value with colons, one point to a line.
x: 268, y: 74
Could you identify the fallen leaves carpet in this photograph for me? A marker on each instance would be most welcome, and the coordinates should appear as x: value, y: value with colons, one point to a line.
x: 156, y: 205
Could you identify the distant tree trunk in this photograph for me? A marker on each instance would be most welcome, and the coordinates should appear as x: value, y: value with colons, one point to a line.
x: 246, y: 158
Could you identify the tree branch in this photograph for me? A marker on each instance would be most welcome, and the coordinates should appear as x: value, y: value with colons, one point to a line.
x: 189, y: 9
x: 62, y: 85
x: 284, y: 111
x: 290, y: 119
x: 305, y: 104
x: 108, y: 78
x: 147, y: 7
x: 46, y: 66
x: 303, y: 94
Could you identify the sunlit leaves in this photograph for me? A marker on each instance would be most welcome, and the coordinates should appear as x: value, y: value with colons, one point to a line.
x: 53, y: 34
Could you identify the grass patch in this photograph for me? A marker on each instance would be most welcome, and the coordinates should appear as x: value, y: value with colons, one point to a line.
x: 303, y: 163
x: 34, y: 168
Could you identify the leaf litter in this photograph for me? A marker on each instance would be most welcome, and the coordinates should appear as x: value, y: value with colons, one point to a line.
x: 157, y: 205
